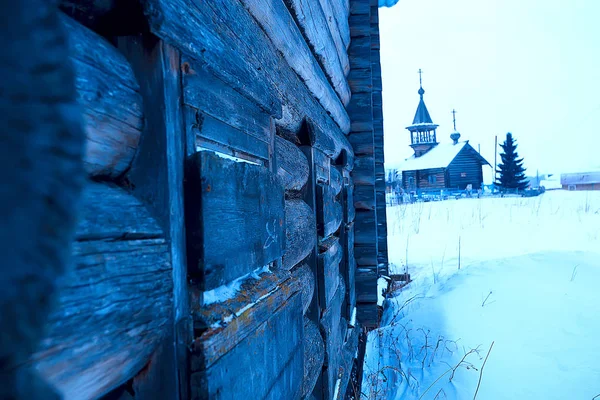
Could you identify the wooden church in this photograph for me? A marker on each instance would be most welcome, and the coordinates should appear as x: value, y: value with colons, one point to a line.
x: 434, y: 165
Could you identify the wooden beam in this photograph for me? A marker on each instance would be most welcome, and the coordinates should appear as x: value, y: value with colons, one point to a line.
x: 329, y: 270
x: 236, y: 374
x: 224, y: 36
x: 314, y: 353
x: 299, y: 232
x: 311, y: 20
x: 292, y: 165
x: 305, y: 279
x: 115, y: 305
x: 110, y: 100
x: 221, y: 326
x: 236, y: 218
x: 278, y: 24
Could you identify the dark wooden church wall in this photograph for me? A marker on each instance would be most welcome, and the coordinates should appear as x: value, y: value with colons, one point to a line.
x: 440, y: 178
x: 466, y: 162
x: 219, y: 157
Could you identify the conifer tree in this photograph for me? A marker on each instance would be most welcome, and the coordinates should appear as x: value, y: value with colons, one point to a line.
x: 512, y: 173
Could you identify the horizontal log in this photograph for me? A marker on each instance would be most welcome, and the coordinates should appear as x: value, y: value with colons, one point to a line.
x: 233, y: 203
x: 300, y: 232
x: 367, y: 314
x: 225, y: 324
x: 314, y: 353
x: 111, y: 103
x: 204, y: 91
x: 276, y: 346
x: 328, y: 271
x: 339, y: 33
x: 115, y: 305
x: 313, y: 24
x: 336, y: 180
x: 292, y: 165
x: 305, y: 279
x: 223, y: 35
x: 329, y: 211
x: 278, y: 24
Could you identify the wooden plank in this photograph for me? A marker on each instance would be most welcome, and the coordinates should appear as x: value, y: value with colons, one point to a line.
x: 204, y: 91
x: 332, y: 332
x: 314, y: 353
x: 115, y: 306
x: 348, y: 198
x: 300, y: 232
x: 322, y: 166
x: 109, y: 96
x: 223, y: 325
x: 224, y: 36
x: 203, y: 126
x: 305, y: 279
x: 366, y: 284
x: 156, y: 176
x: 350, y: 270
x: 328, y: 271
x: 341, y: 10
x: 312, y: 22
x: 236, y: 218
x: 367, y: 314
x: 329, y: 211
x: 292, y: 165
x: 236, y: 373
x: 347, y: 361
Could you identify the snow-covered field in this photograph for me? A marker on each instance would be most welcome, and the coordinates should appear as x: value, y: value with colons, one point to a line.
x: 528, y: 282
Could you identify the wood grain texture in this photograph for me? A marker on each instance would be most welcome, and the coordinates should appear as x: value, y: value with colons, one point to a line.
x: 314, y: 353
x: 336, y: 180
x: 339, y: 33
x: 313, y: 24
x: 292, y: 165
x: 347, y: 360
x: 233, y: 203
x: 115, y: 306
x: 235, y: 49
x: 275, y: 19
x: 328, y: 271
x: 305, y: 279
x: 300, y: 232
x: 204, y: 91
x: 109, y: 96
x: 223, y: 325
x: 332, y: 329
x: 276, y: 346
x: 329, y: 211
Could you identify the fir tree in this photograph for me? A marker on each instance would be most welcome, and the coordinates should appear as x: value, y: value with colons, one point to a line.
x: 512, y: 173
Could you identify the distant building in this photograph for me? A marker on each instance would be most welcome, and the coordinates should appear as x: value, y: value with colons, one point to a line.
x: 581, y: 181
x: 436, y: 165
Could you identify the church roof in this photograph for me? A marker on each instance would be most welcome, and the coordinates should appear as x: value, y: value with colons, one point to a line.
x: 438, y: 157
x: 422, y: 115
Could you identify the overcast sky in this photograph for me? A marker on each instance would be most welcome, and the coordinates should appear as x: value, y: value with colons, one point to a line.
x: 530, y: 67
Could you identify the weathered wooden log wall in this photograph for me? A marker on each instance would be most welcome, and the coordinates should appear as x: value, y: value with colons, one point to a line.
x: 366, y: 137
x: 235, y: 161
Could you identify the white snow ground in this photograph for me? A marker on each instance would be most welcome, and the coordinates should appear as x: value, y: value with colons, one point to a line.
x: 529, y: 278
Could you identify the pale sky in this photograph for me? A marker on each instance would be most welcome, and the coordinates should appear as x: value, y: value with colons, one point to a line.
x: 530, y: 67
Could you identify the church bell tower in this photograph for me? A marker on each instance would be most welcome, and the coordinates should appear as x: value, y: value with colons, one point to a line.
x: 423, y: 130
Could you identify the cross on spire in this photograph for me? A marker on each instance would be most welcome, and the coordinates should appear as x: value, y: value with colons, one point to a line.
x: 420, y: 78
x: 454, y: 118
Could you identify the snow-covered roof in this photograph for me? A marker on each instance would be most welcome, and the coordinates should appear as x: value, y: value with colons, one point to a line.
x: 438, y: 157
x: 580, y: 178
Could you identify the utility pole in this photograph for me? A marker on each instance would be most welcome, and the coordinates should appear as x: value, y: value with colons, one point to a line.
x: 495, y: 156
